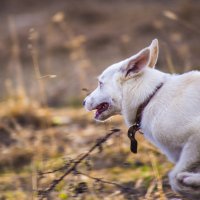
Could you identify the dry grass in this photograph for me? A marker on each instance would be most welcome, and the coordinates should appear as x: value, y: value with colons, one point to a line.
x: 67, y: 135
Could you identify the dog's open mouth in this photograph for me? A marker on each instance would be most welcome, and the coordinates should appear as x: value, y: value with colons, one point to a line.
x: 101, y: 108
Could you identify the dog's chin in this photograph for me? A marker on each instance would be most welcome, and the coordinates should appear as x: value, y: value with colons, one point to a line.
x: 101, y: 117
x: 104, y: 116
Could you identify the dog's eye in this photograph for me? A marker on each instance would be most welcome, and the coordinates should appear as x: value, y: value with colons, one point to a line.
x: 100, y: 84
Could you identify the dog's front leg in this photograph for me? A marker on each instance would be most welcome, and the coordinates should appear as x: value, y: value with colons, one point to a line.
x: 185, y: 177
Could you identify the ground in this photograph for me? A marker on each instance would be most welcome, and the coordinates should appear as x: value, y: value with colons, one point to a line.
x: 38, y: 140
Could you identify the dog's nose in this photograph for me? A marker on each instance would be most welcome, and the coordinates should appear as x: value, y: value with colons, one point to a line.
x: 84, y: 102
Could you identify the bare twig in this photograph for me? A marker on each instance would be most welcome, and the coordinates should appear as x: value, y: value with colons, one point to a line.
x: 43, y: 193
x: 106, y: 182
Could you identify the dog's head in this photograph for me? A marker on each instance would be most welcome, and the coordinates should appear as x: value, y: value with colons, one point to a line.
x: 106, y: 99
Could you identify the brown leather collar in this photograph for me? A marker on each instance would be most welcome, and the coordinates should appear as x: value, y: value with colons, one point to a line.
x: 136, y: 126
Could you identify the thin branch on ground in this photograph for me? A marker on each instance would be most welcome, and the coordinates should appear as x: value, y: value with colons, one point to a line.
x: 73, y: 165
x: 122, y: 187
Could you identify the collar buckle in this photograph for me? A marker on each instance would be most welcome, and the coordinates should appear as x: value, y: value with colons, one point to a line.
x: 131, y: 135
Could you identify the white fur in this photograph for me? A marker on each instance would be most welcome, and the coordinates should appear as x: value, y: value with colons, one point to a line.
x: 171, y: 120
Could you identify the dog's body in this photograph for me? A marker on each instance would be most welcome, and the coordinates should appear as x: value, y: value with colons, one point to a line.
x: 171, y: 120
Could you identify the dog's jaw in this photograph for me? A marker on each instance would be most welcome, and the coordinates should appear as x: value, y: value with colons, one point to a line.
x: 106, y: 114
x: 102, y: 110
x: 102, y: 116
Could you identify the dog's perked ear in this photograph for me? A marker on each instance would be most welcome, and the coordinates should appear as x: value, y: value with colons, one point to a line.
x: 136, y: 63
x: 145, y: 58
x: 154, y: 50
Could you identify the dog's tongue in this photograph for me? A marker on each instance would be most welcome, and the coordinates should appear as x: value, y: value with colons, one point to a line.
x: 101, y: 108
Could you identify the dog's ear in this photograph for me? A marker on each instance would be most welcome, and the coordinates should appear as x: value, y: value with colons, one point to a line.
x: 145, y: 58
x: 154, y: 50
x: 136, y: 63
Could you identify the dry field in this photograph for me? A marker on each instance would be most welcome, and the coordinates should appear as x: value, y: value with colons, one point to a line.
x: 40, y: 140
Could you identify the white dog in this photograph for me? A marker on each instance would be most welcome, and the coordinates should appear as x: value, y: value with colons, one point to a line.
x: 170, y: 118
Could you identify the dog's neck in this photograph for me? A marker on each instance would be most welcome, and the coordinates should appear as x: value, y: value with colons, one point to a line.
x: 142, y: 106
x: 137, y: 91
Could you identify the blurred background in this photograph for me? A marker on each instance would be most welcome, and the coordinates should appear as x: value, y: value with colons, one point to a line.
x: 75, y: 40
x: 51, y: 53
